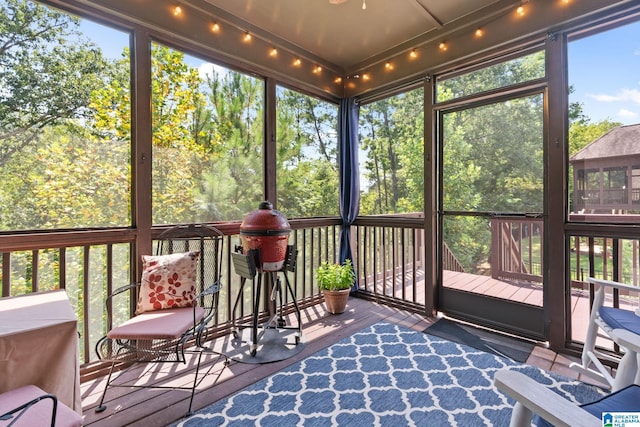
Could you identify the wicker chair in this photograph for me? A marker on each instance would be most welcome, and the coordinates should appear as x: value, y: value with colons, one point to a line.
x: 168, y: 334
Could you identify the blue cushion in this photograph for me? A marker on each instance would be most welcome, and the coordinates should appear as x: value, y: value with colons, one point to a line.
x: 624, y: 400
x: 618, y: 318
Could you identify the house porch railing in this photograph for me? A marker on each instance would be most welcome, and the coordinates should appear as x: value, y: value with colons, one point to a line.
x: 387, y: 250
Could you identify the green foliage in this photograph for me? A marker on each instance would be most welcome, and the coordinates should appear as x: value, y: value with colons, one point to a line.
x: 583, y: 133
x: 392, y: 142
x: 307, y: 155
x: 334, y: 276
x: 492, y: 156
x: 503, y: 74
x: 66, y: 181
x: 47, y: 72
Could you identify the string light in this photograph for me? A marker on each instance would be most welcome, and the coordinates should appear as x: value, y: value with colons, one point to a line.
x: 479, y: 32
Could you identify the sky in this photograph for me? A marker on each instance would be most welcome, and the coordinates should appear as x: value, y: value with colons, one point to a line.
x: 112, y: 42
x: 604, y: 69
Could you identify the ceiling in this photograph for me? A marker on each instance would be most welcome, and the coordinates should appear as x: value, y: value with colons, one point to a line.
x: 344, y: 34
x: 337, y: 48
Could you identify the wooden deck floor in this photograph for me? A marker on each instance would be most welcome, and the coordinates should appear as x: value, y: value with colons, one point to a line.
x: 152, y: 407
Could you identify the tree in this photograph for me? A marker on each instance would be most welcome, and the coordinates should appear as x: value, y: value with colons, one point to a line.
x: 492, y: 156
x: 392, y: 140
x: 231, y: 185
x: 47, y: 72
x: 307, y: 155
x: 583, y: 133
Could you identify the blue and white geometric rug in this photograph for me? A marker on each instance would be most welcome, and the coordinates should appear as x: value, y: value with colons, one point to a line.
x: 384, y: 375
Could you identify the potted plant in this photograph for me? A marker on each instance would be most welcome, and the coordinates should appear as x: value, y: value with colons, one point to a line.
x: 335, y: 281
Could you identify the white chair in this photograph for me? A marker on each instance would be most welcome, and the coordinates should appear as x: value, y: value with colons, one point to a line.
x: 622, y: 326
x: 554, y: 410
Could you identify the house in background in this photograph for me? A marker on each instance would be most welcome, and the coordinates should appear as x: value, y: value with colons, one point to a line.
x: 606, y: 173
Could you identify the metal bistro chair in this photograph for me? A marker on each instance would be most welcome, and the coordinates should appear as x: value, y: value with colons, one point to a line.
x: 161, y: 333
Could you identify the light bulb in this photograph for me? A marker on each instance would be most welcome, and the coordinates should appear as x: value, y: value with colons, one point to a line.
x: 364, y: 4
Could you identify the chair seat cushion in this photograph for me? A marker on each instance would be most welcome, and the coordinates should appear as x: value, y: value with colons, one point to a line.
x: 162, y: 324
x: 623, y: 400
x: 40, y: 413
x: 618, y: 318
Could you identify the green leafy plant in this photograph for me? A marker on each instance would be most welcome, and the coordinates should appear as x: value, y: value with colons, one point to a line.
x: 334, y: 277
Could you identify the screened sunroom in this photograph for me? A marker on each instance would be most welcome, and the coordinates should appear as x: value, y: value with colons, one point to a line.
x: 429, y: 143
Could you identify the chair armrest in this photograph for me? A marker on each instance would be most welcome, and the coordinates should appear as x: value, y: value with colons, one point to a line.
x: 612, y: 284
x: 211, y: 289
x: 542, y: 401
x: 627, y: 339
x: 207, y: 299
x: 115, y: 292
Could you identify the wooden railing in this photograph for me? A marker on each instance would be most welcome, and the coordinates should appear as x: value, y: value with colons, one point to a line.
x: 389, y: 258
x: 89, y: 264
x: 516, y: 248
x: 449, y: 260
x: 604, y: 258
x: 387, y: 250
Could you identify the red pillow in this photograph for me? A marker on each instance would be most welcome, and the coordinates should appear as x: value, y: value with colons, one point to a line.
x: 168, y: 281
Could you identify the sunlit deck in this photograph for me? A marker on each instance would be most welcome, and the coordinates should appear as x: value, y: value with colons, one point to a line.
x: 151, y: 407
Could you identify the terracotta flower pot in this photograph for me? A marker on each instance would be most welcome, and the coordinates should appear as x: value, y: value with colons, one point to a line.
x: 336, y: 301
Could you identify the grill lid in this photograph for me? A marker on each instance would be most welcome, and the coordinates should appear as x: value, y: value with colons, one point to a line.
x: 265, y: 221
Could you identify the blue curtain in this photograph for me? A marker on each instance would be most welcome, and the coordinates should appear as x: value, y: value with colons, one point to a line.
x: 349, y: 173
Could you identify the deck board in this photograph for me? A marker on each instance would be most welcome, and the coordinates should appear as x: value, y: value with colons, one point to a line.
x: 150, y: 407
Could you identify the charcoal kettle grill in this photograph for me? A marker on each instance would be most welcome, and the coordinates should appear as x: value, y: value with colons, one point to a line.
x: 265, y: 252
x: 266, y: 232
